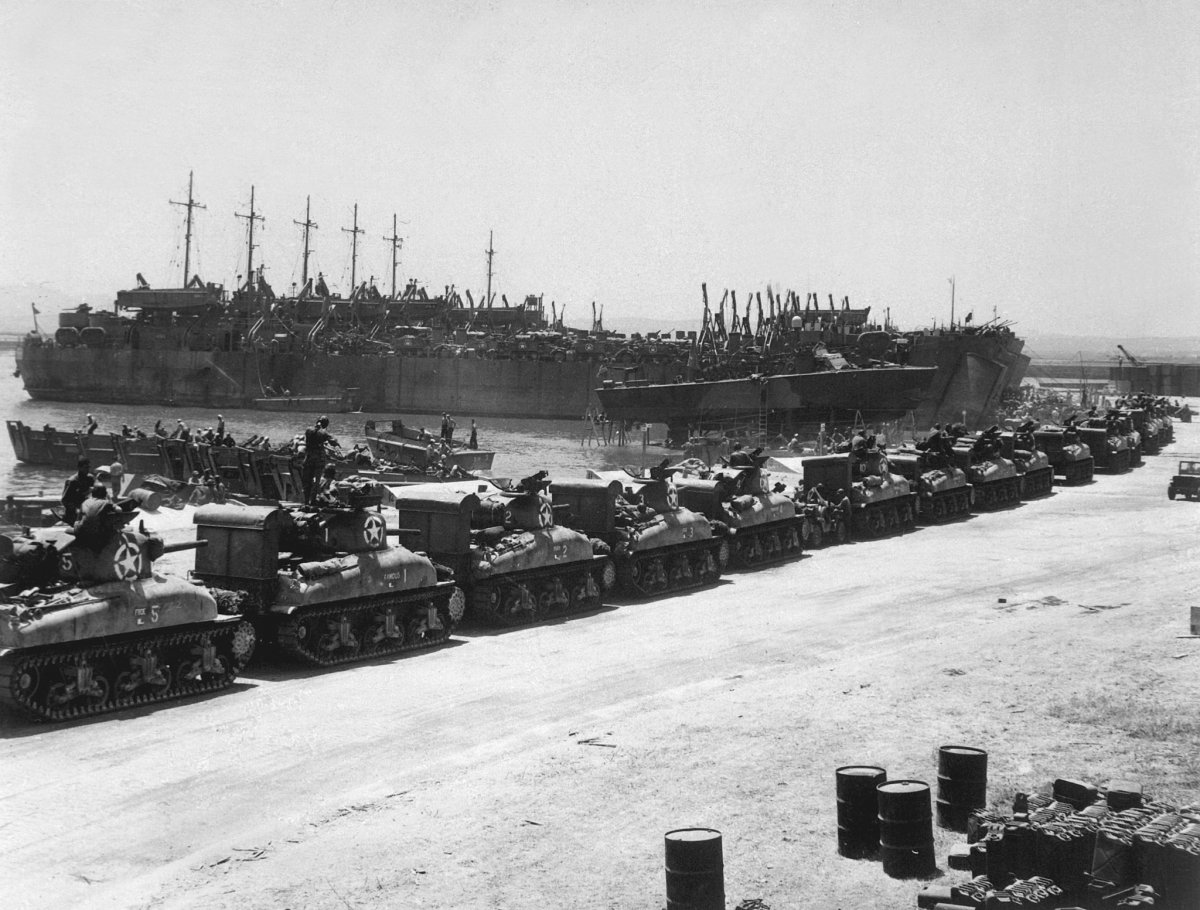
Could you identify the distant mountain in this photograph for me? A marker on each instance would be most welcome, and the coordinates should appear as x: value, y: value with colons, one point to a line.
x: 1103, y: 347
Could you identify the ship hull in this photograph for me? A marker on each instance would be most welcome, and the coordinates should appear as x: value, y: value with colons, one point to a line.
x: 879, y: 393
x: 400, y: 383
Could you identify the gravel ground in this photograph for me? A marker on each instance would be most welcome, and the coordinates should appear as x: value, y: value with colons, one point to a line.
x: 540, y: 767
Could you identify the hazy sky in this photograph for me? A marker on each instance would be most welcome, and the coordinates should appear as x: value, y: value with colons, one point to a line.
x: 1046, y: 154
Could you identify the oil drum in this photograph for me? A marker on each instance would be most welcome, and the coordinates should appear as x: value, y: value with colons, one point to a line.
x: 905, y: 828
x: 858, y: 810
x: 695, y: 868
x: 962, y: 785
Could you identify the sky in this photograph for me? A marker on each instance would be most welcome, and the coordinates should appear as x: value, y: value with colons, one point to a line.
x: 1046, y: 155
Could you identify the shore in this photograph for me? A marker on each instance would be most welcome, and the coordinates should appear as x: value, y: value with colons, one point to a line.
x: 541, y: 766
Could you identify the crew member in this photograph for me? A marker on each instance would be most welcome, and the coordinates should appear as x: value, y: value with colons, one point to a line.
x: 97, y: 519
x: 76, y: 490
x: 473, y: 443
x: 448, y: 425
x: 316, y: 438
x: 92, y: 425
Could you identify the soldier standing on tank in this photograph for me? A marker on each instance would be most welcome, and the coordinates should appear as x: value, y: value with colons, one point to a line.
x: 316, y: 438
x: 474, y: 441
x: 76, y: 490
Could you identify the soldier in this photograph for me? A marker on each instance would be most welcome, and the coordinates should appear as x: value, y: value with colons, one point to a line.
x: 473, y: 443
x: 92, y: 425
x: 316, y: 438
x: 98, y: 519
x: 76, y: 489
x: 326, y: 493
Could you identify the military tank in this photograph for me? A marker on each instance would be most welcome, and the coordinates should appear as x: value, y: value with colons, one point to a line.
x: 85, y: 630
x: 1147, y: 428
x: 516, y: 565
x: 862, y: 487
x: 657, y: 545
x: 762, y: 522
x: 1109, y: 447
x: 1069, y: 456
x: 995, y: 480
x: 325, y: 584
x: 942, y: 489
x: 1033, y: 465
x: 1120, y: 423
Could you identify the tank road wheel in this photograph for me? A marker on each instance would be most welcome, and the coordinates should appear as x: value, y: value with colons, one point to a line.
x: 680, y: 574
x: 202, y: 666
x: 551, y: 598
x: 938, y: 509
x: 893, y: 518
x: 383, y: 631
x: 791, y: 541
x: 145, y: 670
x: 82, y: 684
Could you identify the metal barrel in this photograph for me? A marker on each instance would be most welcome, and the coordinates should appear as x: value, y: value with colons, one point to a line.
x: 695, y: 868
x: 858, y: 809
x: 962, y: 785
x: 905, y: 828
x: 150, y: 500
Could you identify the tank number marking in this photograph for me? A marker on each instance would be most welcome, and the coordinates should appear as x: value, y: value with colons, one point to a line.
x: 142, y: 615
x: 560, y: 551
x: 401, y: 576
x: 687, y: 532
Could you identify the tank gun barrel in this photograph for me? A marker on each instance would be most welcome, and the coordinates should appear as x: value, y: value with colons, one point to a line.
x: 29, y: 501
x: 403, y: 532
x: 184, y: 545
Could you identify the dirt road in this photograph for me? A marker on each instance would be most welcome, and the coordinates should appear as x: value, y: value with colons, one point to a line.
x: 540, y: 767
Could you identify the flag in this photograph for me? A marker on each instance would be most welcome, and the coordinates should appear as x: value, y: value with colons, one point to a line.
x: 969, y: 316
x: 36, y: 311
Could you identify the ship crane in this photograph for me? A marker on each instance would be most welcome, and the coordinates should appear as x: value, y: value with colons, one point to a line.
x: 1133, y: 361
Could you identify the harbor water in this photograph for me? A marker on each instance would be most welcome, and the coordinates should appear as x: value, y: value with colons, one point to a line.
x: 565, y: 448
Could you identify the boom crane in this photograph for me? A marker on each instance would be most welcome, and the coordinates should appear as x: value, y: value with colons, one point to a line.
x: 1133, y: 361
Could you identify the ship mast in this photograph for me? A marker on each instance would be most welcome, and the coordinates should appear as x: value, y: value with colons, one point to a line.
x: 187, y: 237
x: 490, y: 253
x: 354, y: 232
x: 952, y: 303
x: 397, y: 242
x: 251, y: 218
x: 308, y: 224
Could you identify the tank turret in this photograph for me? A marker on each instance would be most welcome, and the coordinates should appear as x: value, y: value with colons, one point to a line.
x: 516, y: 564
x: 326, y: 585
x: 762, y: 522
x: 87, y: 628
x: 657, y: 545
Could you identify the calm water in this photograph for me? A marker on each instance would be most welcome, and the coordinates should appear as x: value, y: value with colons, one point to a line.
x: 521, y: 446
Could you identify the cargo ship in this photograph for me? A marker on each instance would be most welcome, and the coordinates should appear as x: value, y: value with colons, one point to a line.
x: 413, y: 352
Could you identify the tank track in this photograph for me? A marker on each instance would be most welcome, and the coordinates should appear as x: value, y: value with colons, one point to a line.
x: 522, y: 598
x: 1075, y: 473
x: 326, y: 635
x: 650, y: 573
x: 1135, y: 456
x: 892, y: 516
x: 767, y: 543
x: 998, y: 494
x: 1037, y: 483
x: 946, y: 506
x: 45, y: 683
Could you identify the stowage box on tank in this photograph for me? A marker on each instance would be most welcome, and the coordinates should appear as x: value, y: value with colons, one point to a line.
x: 85, y: 631
x: 657, y: 545
x: 515, y: 564
x: 325, y: 584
